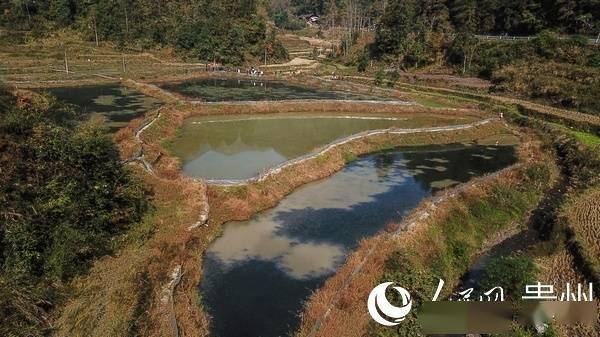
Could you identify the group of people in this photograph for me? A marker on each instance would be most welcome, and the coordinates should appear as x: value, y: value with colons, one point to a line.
x: 254, y: 72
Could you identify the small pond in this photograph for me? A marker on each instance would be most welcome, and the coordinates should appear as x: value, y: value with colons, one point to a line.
x: 259, y: 272
x: 242, y: 146
x: 117, y: 104
x: 221, y: 89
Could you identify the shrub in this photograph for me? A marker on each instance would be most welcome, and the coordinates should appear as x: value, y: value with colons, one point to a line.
x: 546, y: 43
x: 393, y: 78
x: 65, y: 196
x: 283, y: 20
x: 594, y: 60
x: 379, y: 76
x: 363, y: 62
x: 511, y: 273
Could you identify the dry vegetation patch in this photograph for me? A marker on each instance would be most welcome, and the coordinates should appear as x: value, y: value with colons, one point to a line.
x: 152, y: 90
x: 583, y: 218
x: 121, y: 294
x: 559, y: 268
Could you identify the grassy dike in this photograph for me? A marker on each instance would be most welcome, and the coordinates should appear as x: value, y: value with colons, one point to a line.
x: 574, y: 119
x: 454, y: 239
x: 239, y: 202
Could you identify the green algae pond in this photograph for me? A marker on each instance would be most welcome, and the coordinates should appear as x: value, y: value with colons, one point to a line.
x: 243, y: 146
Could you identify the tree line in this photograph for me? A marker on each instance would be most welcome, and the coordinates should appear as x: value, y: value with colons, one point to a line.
x: 441, y: 34
x: 514, y: 17
x: 225, y: 31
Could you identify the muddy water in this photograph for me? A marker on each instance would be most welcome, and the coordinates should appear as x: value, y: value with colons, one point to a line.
x: 259, y: 272
x: 116, y: 104
x: 218, y: 90
x: 238, y: 147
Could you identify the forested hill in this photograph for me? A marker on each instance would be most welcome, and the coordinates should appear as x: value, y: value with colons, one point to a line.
x: 558, y: 65
x: 226, y: 31
x: 231, y: 31
x: 514, y: 17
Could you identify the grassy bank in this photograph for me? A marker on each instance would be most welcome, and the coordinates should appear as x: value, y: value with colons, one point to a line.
x: 566, y: 221
x: 571, y: 253
x: 581, y: 215
x: 121, y: 295
x: 453, y: 240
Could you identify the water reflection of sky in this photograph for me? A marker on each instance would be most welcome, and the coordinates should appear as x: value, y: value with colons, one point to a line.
x: 259, y: 271
x: 283, y: 235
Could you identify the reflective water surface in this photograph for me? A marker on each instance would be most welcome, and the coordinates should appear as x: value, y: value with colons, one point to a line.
x: 117, y: 104
x: 259, y: 272
x: 242, y: 146
x: 221, y: 89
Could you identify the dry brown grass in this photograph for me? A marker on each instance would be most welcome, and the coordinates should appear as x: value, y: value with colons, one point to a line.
x: 125, y: 136
x: 560, y: 114
x: 152, y: 91
x: 582, y: 216
x: 40, y: 62
x: 558, y: 269
x: 349, y: 316
x: 329, y: 106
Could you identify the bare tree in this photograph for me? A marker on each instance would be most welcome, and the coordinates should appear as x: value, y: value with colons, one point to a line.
x: 95, y: 23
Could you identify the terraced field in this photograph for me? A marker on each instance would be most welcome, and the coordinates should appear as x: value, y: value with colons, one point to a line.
x: 583, y: 218
x: 560, y: 268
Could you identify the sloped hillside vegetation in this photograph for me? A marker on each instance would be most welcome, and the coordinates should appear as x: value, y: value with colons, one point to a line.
x: 65, y: 197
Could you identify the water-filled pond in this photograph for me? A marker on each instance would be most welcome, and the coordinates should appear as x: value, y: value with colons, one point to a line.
x: 231, y: 89
x: 258, y: 273
x: 117, y: 104
x: 241, y: 146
